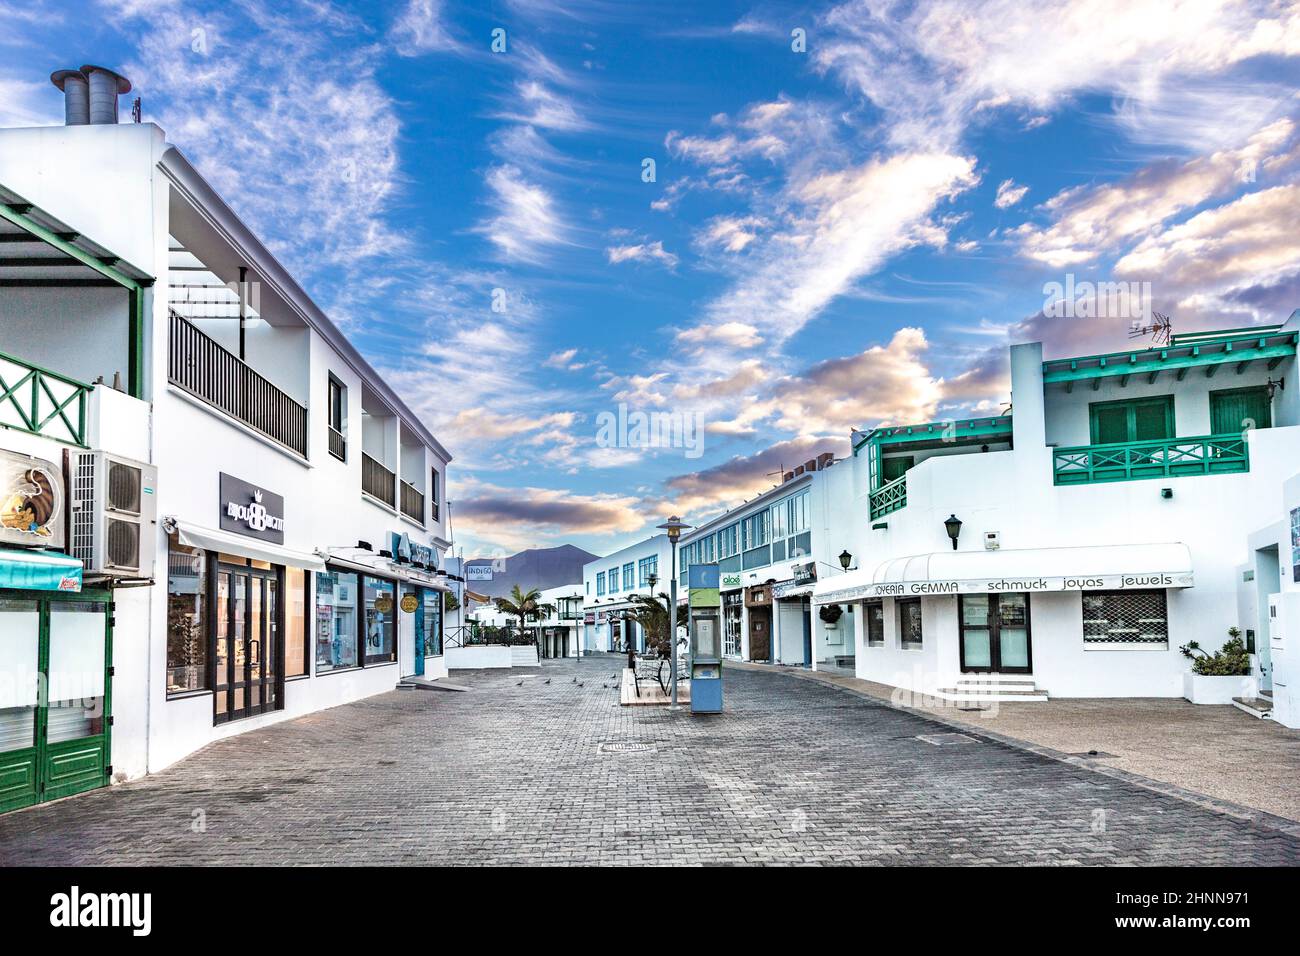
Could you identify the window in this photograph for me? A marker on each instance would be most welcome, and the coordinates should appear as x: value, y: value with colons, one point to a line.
x: 875, y: 621
x: 336, y: 621
x: 896, y: 467
x: 1130, y: 620
x: 909, y: 623
x: 187, y: 616
x: 338, y: 418
x: 295, y: 623
x: 600, y: 583
x: 629, y: 576
x: 428, y: 621
x: 613, y: 580
x: 381, y: 621
x: 646, y: 567
x: 435, y: 493
x: 1147, y: 419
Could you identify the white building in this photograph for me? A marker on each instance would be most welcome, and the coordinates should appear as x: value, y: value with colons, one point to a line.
x: 1101, y: 523
x: 610, y: 585
x: 294, y: 529
x: 770, y: 552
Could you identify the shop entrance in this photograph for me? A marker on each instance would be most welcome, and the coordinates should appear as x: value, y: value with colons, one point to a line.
x: 55, y: 695
x: 760, y: 633
x: 247, y: 618
x: 995, y: 634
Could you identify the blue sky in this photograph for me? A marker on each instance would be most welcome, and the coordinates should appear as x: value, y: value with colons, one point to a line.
x: 855, y: 207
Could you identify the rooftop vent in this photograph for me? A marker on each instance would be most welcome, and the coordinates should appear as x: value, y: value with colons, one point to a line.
x: 90, y: 94
x: 76, y: 96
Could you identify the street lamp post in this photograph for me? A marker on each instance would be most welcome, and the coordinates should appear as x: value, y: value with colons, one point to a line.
x: 674, y: 527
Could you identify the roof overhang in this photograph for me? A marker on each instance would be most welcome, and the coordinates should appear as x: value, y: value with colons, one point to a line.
x: 1115, y: 567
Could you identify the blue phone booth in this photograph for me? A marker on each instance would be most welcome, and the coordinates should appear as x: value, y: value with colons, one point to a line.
x: 706, y: 638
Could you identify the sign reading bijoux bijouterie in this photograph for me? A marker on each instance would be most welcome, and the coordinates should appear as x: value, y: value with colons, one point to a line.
x: 1097, y: 582
x: 249, y: 510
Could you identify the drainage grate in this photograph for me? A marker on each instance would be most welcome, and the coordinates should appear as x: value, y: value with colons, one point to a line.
x: 610, y: 747
x: 946, y: 740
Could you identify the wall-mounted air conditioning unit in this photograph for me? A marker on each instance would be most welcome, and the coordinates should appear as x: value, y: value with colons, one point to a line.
x: 114, y: 512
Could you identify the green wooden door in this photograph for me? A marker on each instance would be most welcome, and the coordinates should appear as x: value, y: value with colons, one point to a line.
x: 1233, y: 410
x: 54, y: 716
x: 897, y: 467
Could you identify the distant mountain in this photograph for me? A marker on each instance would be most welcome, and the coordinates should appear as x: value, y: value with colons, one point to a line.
x: 539, y: 568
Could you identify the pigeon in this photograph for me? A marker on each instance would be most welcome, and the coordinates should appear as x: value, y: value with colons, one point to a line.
x: 520, y: 684
x: 579, y: 685
x: 547, y: 681
x: 575, y: 680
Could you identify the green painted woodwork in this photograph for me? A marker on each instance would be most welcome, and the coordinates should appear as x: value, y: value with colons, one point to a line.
x: 1167, y: 458
x: 46, y: 403
x: 1236, y: 349
x: 890, y: 497
x: 135, y: 288
x: 938, y: 434
x: 51, y: 770
x: 1236, y: 409
x: 895, y: 467
x: 1144, y: 419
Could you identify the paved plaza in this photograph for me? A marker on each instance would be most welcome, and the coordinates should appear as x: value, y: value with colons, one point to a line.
x: 553, y: 771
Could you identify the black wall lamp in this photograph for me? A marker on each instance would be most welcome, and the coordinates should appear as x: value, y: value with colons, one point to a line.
x: 953, y: 527
x: 846, y: 559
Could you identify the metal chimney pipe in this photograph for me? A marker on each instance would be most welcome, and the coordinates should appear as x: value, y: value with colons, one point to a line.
x: 76, y: 96
x: 105, y: 87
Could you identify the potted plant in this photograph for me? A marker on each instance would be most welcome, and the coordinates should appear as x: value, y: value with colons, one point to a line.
x: 1219, y: 677
x: 830, y: 615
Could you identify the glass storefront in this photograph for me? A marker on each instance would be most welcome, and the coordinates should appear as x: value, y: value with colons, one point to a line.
x: 428, y: 622
x: 187, y: 625
x: 336, y: 620
x: 381, y: 620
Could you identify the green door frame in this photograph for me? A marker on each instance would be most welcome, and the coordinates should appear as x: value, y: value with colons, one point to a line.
x: 84, y: 763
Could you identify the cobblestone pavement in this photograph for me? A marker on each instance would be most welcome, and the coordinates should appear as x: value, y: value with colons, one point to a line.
x: 554, y: 771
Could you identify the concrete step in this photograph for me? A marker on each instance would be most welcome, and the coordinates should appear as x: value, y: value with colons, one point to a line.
x: 1259, y: 707
x: 423, y: 683
x: 985, y: 692
x: 524, y: 655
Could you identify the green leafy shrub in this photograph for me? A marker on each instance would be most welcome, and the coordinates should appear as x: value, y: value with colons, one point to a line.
x: 1231, y: 661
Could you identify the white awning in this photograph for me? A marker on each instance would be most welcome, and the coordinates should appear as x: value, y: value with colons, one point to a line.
x: 210, y: 539
x: 1087, y: 568
x: 367, y: 562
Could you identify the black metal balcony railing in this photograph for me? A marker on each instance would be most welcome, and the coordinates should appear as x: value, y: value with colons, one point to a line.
x: 412, y: 502
x: 377, y: 481
x: 209, y: 372
x: 338, y: 444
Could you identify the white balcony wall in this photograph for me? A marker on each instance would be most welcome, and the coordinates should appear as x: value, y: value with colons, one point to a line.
x: 78, y: 332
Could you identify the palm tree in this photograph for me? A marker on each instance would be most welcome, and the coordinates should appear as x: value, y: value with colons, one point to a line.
x: 652, y: 614
x: 524, y: 605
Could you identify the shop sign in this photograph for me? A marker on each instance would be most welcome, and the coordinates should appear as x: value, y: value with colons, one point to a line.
x: 31, y: 501
x: 249, y: 510
x: 1098, y: 582
x: 589, y: 617
x: 410, y: 603
x: 383, y: 604
x: 730, y: 580
x: 478, y: 572
x: 403, y: 547
x: 788, y: 589
x: 804, y: 574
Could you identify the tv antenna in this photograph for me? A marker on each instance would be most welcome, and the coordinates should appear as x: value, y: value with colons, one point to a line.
x: 1160, y: 329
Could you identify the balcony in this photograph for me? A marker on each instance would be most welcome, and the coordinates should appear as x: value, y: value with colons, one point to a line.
x: 204, y: 369
x: 1165, y: 458
x: 338, y: 445
x: 412, y: 502
x: 889, y: 497
x: 42, y: 403
x: 377, y: 481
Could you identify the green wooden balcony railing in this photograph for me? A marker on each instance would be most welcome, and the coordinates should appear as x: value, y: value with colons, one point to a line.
x: 889, y: 497
x: 1165, y: 458
x: 44, y: 403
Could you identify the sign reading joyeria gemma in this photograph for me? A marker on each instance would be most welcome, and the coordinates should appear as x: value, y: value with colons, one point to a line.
x: 249, y: 510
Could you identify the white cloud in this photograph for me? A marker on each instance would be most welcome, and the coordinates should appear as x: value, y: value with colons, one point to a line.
x: 641, y: 252
x: 421, y: 28
x: 527, y: 221
x: 1009, y: 194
